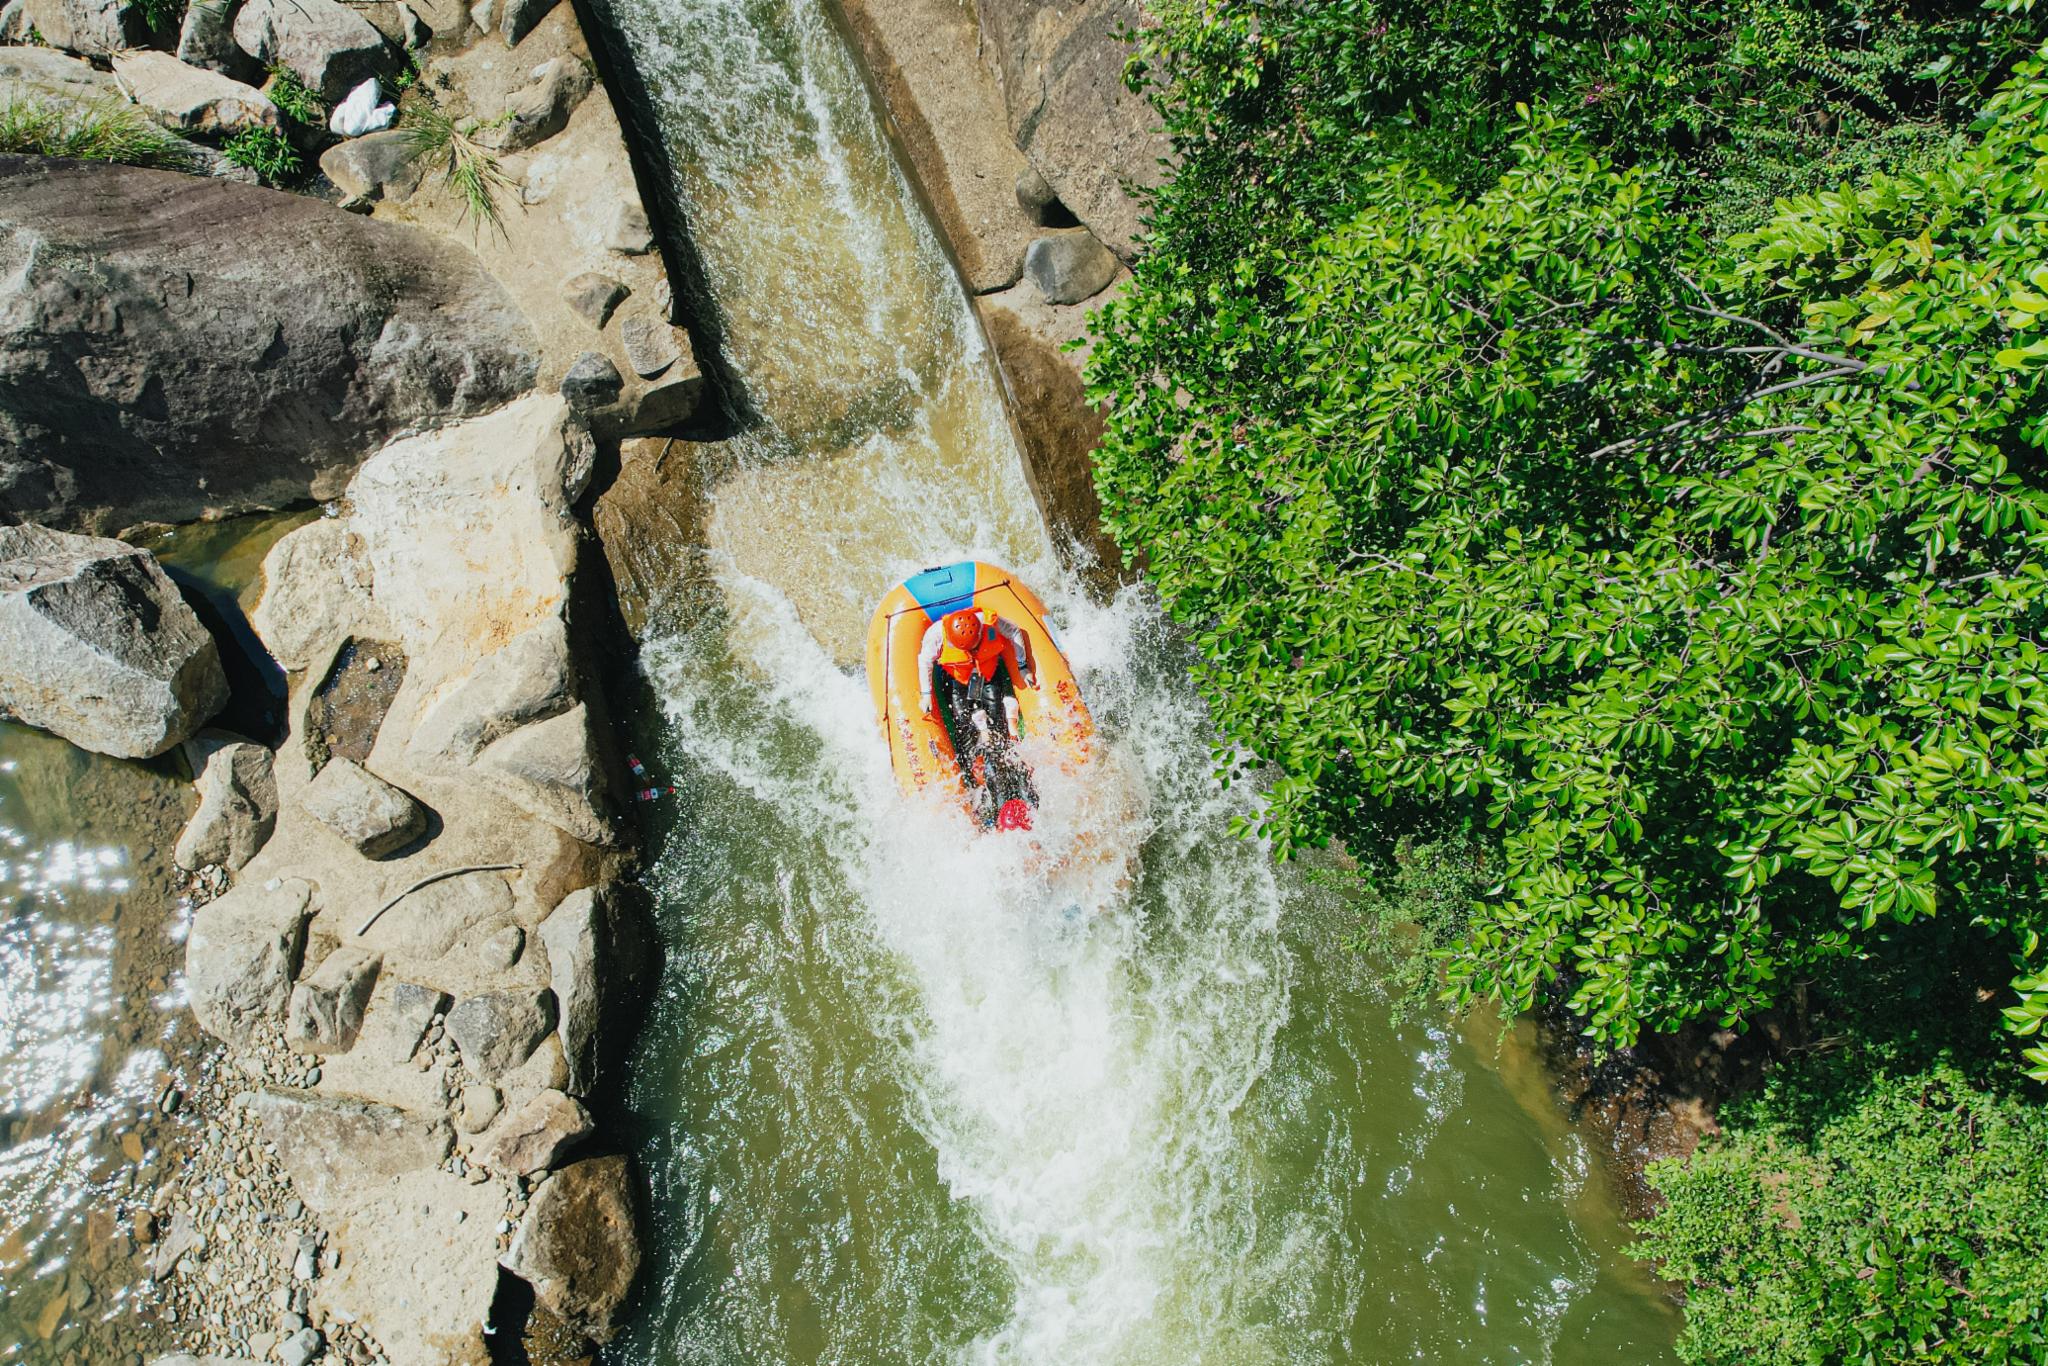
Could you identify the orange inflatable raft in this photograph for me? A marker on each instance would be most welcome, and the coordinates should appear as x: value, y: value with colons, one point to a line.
x: 922, y: 747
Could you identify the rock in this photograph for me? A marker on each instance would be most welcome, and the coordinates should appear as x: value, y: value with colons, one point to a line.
x: 499, y: 1030
x: 39, y: 73
x: 432, y: 920
x: 259, y: 380
x: 301, y: 1347
x: 237, y: 809
x: 593, y: 296
x: 91, y: 28
x: 480, y: 1105
x: 528, y: 680
x: 629, y: 233
x: 363, y: 809
x: 1070, y: 266
x: 206, y: 38
x: 241, y: 955
x: 187, y: 98
x: 1061, y: 68
x: 1036, y: 197
x: 316, y: 588
x: 947, y: 115
x: 447, y: 18
x: 552, y: 769
x: 182, y: 1237
x: 412, y: 1009
x: 650, y: 345
x: 97, y: 646
x: 325, y: 43
x: 596, y: 944
x: 520, y: 16
x: 374, y: 166
x: 188, y: 1359
x: 537, y: 1134
x: 326, y: 1011
x: 502, y: 949
x: 577, y: 1245
x: 591, y: 381
x: 540, y: 109
x: 336, y: 1149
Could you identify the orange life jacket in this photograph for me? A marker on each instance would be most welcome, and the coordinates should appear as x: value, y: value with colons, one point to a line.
x: 984, y: 660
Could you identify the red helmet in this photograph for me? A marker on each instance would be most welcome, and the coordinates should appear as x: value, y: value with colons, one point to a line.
x: 963, y: 630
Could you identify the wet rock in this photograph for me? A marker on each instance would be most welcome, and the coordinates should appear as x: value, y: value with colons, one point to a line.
x: 596, y: 944
x: 237, y: 809
x: 413, y: 1008
x: 325, y: 43
x: 363, y: 809
x: 263, y: 379
x: 92, y: 28
x: 499, y: 1030
x: 536, y: 1135
x: 1070, y: 266
x: 577, y: 1245
x: 326, y: 1011
x: 97, y: 646
x: 552, y: 769
x: 206, y: 39
x: 629, y: 233
x: 480, y: 1105
x: 519, y: 17
x: 191, y: 99
x: 539, y: 109
x: 316, y: 590
x: 374, y: 166
x: 527, y: 680
x: 592, y: 381
x: 650, y: 345
x: 241, y: 955
x: 336, y: 1149
x: 593, y: 296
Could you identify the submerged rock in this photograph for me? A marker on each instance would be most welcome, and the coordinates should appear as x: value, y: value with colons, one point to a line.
x: 97, y: 646
x: 237, y: 809
x: 325, y: 43
x: 155, y: 366
x: 242, y: 954
x: 578, y: 1247
x: 363, y: 809
x: 499, y: 1030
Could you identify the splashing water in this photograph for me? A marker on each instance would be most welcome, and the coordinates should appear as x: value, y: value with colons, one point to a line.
x: 1112, y: 1094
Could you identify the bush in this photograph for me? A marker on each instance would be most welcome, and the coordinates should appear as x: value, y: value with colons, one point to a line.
x: 294, y: 98
x: 265, y: 151
x: 109, y: 130
x: 1862, y: 1216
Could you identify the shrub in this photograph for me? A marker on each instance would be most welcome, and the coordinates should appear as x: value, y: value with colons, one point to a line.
x: 1862, y: 1216
x: 295, y: 99
x: 265, y: 151
x: 469, y: 170
x: 109, y: 130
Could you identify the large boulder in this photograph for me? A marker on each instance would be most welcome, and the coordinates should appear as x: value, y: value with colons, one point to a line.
x: 529, y: 679
x: 315, y: 589
x: 206, y: 39
x: 375, y: 166
x: 241, y: 954
x: 539, y: 109
x: 38, y: 73
x: 93, y: 28
x: 97, y: 646
x: 336, y: 1149
x: 1070, y: 266
x: 1061, y: 67
x: 578, y: 1246
x: 237, y: 809
x: 499, y: 1030
x: 534, y: 1137
x: 325, y: 43
x: 172, y: 347
x: 360, y: 807
x: 192, y: 99
x: 598, y: 953
x: 552, y: 769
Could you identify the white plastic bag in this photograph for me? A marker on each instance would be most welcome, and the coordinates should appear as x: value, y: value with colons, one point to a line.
x: 360, y: 113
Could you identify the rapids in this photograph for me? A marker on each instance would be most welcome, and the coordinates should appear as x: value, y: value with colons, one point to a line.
x: 909, y: 1095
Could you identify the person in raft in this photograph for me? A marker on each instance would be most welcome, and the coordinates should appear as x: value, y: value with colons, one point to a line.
x: 964, y: 653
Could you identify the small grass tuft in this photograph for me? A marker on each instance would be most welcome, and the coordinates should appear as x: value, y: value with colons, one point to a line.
x: 470, y: 170
x: 107, y: 130
x: 265, y: 151
x: 295, y: 99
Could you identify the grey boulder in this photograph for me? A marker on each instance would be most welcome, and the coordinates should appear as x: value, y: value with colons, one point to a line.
x: 191, y: 99
x: 539, y: 109
x: 553, y: 770
x: 237, y: 809
x: 499, y: 1030
x: 38, y: 73
x: 1069, y: 266
x: 374, y: 166
x: 326, y: 1011
x: 206, y: 38
x: 577, y: 1245
x: 597, y: 950
x: 336, y: 1149
x: 241, y: 954
x: 520, y: 17
x: 650, y: 345
x: 592, y: 296
x: 92, y: 28
x: 97, y: 646
x: 316, y: 588
x: 363, y: 809
x: 325, y: 43
x: 153, y: 367
x: 412, y: 1010
x: 591, y: 382
x: 525, y: 680
x: 534, y: 1137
